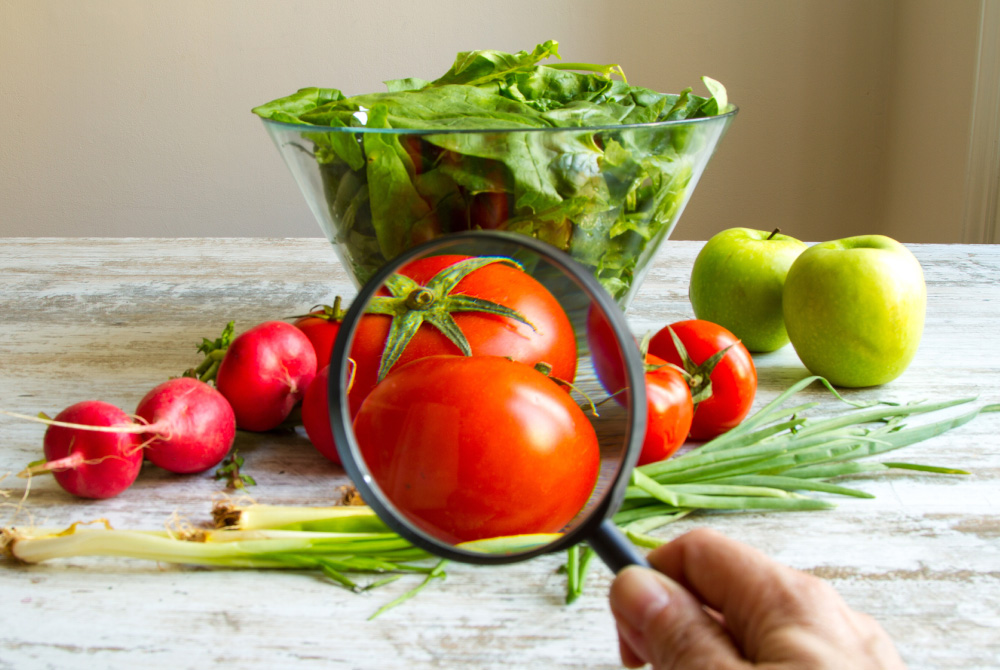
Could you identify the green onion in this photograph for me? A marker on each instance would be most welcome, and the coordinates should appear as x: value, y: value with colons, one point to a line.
x: 768, y: 461
x: 577, y: 564
x: 777, y: 453
x: 229, y: 548
x: 436, y: 573
x: 336, y: 541
x: 335, y: 519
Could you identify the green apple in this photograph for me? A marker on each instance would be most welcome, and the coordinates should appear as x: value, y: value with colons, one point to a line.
x: 737, y: 282
x: 854, y: 309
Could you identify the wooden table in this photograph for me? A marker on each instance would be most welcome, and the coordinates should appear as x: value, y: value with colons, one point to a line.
x: 108, y: 319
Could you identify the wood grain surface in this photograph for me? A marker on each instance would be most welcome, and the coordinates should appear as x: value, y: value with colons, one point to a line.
x: 109, y: 318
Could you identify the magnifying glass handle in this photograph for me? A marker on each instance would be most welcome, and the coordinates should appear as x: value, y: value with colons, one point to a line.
x: 616, y: 550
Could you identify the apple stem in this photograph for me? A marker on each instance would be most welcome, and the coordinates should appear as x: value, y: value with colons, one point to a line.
x: 774, y: 232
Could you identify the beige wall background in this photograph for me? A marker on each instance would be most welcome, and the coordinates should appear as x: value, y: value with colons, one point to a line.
x: 132, y: 117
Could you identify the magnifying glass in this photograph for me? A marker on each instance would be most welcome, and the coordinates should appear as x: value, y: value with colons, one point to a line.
x: 488, y: 401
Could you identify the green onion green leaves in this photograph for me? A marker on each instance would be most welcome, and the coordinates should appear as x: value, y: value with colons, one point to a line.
x: 773, y: 458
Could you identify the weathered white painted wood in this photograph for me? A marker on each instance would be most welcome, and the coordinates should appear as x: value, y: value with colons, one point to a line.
x: 108, y: 319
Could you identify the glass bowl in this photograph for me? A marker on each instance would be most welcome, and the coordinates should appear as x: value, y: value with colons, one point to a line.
x: 608, y: 196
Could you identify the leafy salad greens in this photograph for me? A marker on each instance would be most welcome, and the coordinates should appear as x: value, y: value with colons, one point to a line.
x: 555, y: 154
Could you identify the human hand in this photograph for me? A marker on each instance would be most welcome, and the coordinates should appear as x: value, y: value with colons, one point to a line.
x: 721, y: 604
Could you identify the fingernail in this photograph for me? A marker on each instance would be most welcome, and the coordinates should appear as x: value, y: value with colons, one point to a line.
x: 640, y: 595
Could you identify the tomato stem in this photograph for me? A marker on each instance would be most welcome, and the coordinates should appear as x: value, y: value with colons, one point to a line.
x: 422, y: 298
x: 334, y: 312
x: 543, y: 367
x: 546, y: 369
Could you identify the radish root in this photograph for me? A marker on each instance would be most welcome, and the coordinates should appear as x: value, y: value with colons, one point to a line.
x: 138, y: 428
x: 74, y: 460
x: 19, y: 506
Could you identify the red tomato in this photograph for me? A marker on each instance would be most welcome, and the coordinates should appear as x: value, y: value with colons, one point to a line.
x: 669, y: 414
x: 473, y: 447
x: 489, y: 210
x: 316, y: 416
x: 669, y: 407
x: 734, y: 379
x: 492, y: 203
x: 423, y: 154
x: 425, y: 230
x: 605, y: 351
x: 321, y: 326
x: 552, y: 340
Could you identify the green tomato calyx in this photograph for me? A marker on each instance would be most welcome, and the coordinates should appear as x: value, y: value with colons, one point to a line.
x: 411, y: 304
x: 699, y: 377
x: 647, y: 367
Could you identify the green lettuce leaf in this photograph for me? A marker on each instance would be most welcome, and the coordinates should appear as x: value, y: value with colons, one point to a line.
x: 606, y: 196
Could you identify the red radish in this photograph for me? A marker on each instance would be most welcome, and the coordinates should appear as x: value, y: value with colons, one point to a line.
x: 192, y: 425
x: 265, y: 372
x: 92, y: 463
x: 95, y: 450
x: 316, y: 416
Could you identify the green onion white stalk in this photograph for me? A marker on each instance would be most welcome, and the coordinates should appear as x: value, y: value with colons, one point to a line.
x: 334, y: 519
x: 229, y: 548
x: 335, y: 540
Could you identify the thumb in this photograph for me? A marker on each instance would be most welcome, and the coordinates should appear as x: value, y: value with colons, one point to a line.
x: 663, y: 624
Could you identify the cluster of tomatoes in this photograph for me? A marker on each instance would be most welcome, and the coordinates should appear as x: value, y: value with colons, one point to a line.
x: 700, y: 383
x: 700, y: 380
x: 460, y: 421
x: 545, y: 336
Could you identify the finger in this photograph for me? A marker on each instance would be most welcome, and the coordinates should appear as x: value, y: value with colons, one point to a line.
x: 661, y: 623
x: 629, y: 658
x: 753, y: 593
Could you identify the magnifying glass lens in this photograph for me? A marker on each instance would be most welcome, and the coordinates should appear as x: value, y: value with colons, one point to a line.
x: 482, y: 398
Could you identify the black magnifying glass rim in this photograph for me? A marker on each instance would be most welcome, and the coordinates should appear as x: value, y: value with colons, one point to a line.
x: 350, y: 453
